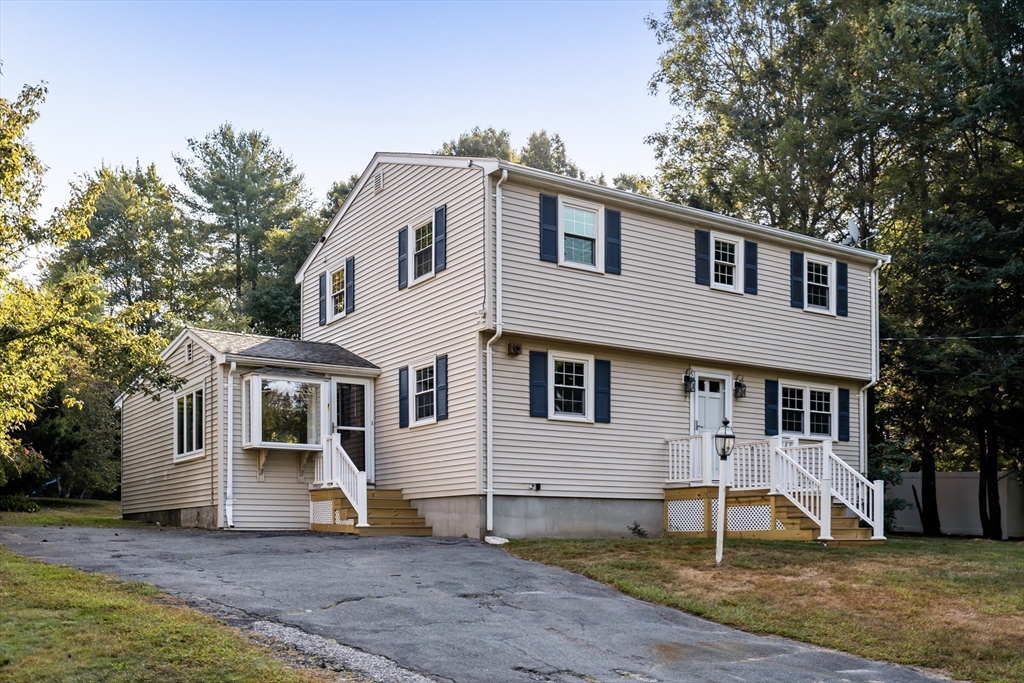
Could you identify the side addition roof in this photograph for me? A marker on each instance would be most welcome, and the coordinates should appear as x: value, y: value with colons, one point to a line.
x: 261, y: 348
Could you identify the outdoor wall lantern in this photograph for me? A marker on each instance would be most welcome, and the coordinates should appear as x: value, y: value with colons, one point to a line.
x: 689, y: 382
x: 739, y: 389
x: 725, y: 440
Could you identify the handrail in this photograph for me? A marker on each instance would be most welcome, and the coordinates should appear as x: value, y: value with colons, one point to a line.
x: 865, y: 498
x: 334, y: 469
x: 803, y: 490
x: 751, y: 465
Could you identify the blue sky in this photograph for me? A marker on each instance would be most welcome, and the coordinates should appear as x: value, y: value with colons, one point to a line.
x: 331, y: 83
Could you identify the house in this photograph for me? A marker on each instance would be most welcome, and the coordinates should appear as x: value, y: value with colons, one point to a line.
x: 498, y: 349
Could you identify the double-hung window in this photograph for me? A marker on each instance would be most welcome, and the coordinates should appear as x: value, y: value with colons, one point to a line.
x: 424, y: 394
x: 423, y: 251
x: 571, y: 386
x: 188, y: 425
x: 581, y: 234
x: 808, y: 411
x: 820, y: 285
x: 726, y: 269
x: 338, y: 293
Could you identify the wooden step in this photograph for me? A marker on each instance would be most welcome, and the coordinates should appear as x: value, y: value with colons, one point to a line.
x: 384, y: 494
x: 837, y: 522
x: 394, y: 531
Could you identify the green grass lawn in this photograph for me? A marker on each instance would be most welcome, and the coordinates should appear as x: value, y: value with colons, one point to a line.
x: 61, y: 624
x: 956, y: 605
x: 70, y: 512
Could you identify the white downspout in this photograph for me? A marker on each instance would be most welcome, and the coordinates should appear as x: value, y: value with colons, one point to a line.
x: 874, y: 367
x: 498, y: 324
x: 229, y: 498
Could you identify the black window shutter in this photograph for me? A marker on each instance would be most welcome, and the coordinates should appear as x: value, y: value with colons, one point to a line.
x: 702, y: 272
x: 441, y: 369
x: 403, y: 397
x: 350, y: 284
x: 749, y: 267
x: 548, y: 228
x: 771, y: 407
x: 440, y: 239
x: 796, y: 279
x: 403, y: 258
x: 842, y: 288
x: 323, y: 298
x: 844, y: 414
x: 538, y: 384
x: 602, y: 391
x: 612, y: 242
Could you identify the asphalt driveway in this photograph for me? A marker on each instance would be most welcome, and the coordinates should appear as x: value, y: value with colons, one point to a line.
x: 451, y: 609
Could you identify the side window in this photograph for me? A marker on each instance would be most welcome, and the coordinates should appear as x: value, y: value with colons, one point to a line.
x: 422, y: 248
x: 726, y: 272
x: 338, y: 293
x: 188, y: 424
x: 423, y: 392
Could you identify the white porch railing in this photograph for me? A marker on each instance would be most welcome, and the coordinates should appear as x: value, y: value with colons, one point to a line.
x: 809, y: 476
x: 334, y: 469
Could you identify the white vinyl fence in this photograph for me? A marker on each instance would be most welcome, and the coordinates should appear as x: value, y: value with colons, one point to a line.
x: 957, y: 497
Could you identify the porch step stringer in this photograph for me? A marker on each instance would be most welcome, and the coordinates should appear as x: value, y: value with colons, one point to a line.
x: 388, y: 514
x: 688, y: 513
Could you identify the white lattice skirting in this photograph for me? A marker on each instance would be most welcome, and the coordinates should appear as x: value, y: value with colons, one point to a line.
x: 321, y: 512
x: 686, y: 515
x: 744, y: 517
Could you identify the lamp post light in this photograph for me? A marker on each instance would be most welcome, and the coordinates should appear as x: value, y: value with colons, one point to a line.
x: 725, y: 440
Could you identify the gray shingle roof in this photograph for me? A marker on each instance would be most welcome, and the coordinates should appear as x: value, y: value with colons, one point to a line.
x: 278, y: 348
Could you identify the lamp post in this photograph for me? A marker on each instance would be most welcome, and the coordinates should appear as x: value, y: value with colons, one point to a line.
x: 725, y: 439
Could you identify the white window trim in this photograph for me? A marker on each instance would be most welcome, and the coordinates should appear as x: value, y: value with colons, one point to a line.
x: 833, y: 404
x: 831, y: 263
x: 331, y: 315
x: 411, y: 249
x: 598, y: 209
x: 588, y: 403
x: 256, y: 413
x: 413, y: 367
x: 739, y: 266
x: 195, y: 453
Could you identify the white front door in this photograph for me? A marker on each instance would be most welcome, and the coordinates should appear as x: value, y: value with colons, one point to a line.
x: 351, y: 411
x: 710, y: 406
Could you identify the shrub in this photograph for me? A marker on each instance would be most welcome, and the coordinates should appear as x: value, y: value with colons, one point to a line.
x: 17, y: 504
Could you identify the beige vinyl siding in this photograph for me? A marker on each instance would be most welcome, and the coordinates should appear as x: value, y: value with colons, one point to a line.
x: 280, y: 501
x: 628, y: 457
x: 656, y: 306
x: 392, y: 328
x: 150, y: 479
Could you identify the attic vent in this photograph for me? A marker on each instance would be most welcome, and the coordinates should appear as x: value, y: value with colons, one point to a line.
x: 188, y: 352
x: 378, y: 182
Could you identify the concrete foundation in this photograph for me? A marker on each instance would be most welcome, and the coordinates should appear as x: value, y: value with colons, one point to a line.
x: 454, y: 516
x: 541, y: 516
x: 204, y: 517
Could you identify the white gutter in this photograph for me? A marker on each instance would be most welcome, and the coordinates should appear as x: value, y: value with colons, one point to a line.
x: 874, y: 365
x: 498, y: 324
x: 229, y: 502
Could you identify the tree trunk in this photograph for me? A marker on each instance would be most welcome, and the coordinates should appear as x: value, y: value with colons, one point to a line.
x: 929, y: 504
x: 988, y: 482
x: 980, y: 435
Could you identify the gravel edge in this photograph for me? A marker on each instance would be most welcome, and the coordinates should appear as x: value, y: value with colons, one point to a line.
x: 376, y: 668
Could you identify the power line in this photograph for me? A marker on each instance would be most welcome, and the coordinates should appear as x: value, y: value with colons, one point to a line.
x: 987, y: 336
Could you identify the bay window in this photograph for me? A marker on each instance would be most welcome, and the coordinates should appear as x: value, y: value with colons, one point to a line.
x: 282, y: 412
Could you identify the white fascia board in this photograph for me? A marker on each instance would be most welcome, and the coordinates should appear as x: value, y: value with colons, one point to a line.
x: 701, y: 217
x: 196, y: 339
x: 299, y: 365
x: 488, y: 164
